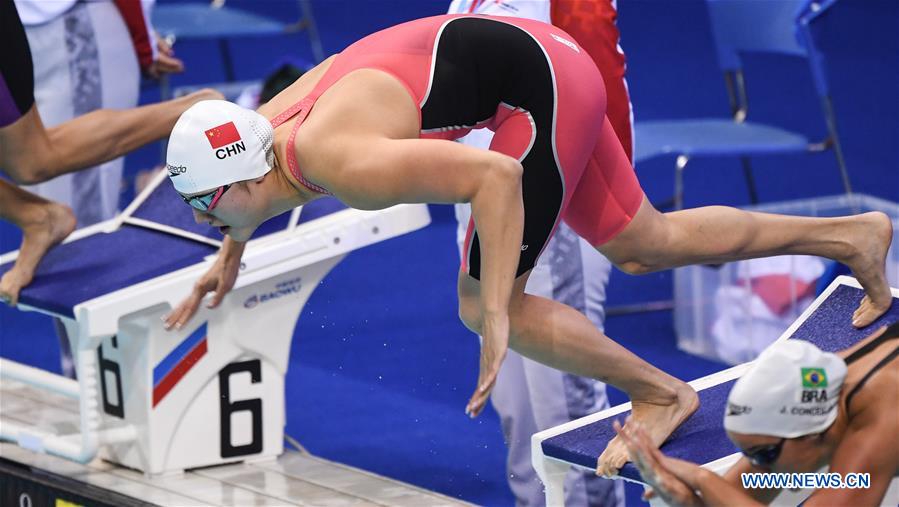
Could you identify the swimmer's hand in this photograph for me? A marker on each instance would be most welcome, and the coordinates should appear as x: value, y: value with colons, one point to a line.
x: 220, y: 278
x: 494, y: 345
x: 655, y: 467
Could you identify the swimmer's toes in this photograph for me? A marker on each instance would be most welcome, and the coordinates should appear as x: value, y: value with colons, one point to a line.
x: 866, y: 315
x: 10, y: 285
x: 612, y: 458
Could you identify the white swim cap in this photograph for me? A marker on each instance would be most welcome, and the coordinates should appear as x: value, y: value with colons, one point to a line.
x: 216, y: 143
x: 792, y: 390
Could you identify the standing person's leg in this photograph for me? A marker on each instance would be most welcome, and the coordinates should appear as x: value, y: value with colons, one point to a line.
x: 97, y: 193
x: 529, y: 396
x: 572, y: 272
x: 61, y: 50
x: 511, y: 400
x: 593, y: 24
x: 84, y: 62
x: 511, y: 397
x: 93, y: 34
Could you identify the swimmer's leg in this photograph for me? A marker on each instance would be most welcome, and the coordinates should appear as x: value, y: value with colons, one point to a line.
x: 608, y: 209
x: 714, y: 234
x: 43, y: 223
x: 561, y: 337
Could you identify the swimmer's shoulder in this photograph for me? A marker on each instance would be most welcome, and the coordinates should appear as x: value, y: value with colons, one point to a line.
x: 874, y: 420
x: 877, y: 401
x: 881, y: 390
x: 879, y: 351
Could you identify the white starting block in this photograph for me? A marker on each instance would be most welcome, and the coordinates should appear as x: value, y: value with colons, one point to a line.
x: 162, y: 402
x: 701, y: 439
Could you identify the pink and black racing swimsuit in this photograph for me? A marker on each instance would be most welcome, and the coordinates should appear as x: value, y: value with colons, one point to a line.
x: 535, y: 88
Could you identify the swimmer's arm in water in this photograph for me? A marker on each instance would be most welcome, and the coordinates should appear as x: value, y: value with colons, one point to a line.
x: 220, y: 278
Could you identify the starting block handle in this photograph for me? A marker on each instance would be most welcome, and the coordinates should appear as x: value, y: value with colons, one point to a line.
x: 85, y: 391
x: 39, y: 378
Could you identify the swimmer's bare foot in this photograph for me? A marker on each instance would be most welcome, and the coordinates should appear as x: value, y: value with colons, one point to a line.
x: 660, y: 419
x: 869, y: 242
x: 43, y: 225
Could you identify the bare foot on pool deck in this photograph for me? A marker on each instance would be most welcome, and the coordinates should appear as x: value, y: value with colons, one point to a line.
x: 658, y: 419
x: 47, y: 225
x: 870, y: 242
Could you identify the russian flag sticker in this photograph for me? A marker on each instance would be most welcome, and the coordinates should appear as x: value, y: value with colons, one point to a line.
x: 177, y: 363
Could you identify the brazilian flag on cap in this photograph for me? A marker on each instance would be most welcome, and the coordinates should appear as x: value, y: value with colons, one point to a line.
x: 814, y: 377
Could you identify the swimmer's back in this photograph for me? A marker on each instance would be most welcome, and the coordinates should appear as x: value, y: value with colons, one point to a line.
x: 407, y: 51
x: 873, y: 374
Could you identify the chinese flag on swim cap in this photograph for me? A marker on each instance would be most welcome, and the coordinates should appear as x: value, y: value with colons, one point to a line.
x: 222, y: 135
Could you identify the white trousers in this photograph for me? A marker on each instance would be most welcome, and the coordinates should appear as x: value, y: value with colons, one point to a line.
x: 84, y: 60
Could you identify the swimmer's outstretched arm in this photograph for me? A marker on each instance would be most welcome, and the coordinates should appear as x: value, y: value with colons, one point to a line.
x: 669, y: 477
x: 220, y: 278
x: 372, y: 172
x: 31, y: 154
x: 869, y: 447
x: 871, y: 451
x: 656, y: 468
